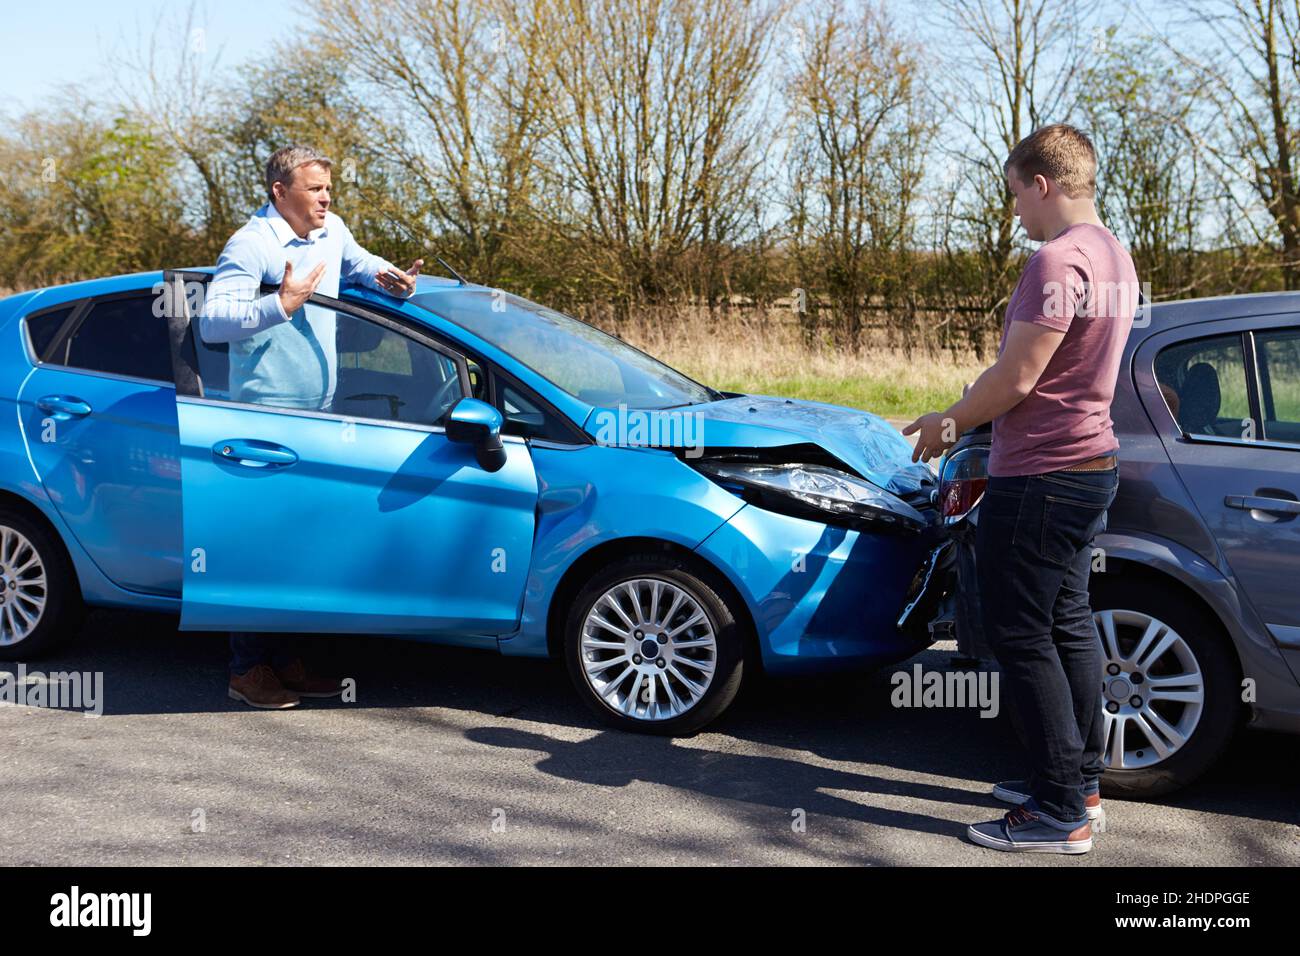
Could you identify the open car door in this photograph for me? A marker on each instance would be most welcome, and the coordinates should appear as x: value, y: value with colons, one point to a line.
x: 351, y: 510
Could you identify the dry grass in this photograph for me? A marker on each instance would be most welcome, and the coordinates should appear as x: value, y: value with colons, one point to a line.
x: 767, y: 356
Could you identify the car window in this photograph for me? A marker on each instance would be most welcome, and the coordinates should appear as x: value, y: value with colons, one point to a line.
x: 1204, y: 384
x: 591, y: 365
x: 42, y: 328
x: 1278, y: 356
x: 333, y: 361
x: 390, y: 355
x: 122, y: 336
x: 386, y: 375
x: 526, y: 416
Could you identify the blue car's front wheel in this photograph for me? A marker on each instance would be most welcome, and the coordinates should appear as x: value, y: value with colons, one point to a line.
x: 653, y: 646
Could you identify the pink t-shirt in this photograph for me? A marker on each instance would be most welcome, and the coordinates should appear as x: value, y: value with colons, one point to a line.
x: 1081, y: 283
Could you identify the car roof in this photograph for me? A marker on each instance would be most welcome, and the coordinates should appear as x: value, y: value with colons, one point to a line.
x: 108, y: 285
x: 1179, y: 312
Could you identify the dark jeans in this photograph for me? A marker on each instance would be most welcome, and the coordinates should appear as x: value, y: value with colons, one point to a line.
x: 247, y: 650
x: 1034, y: 552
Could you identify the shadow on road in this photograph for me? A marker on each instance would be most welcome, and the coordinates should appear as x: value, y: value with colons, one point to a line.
x: 150, y: 668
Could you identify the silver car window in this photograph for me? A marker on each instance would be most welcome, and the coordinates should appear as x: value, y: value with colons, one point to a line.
x: 1204, y: 384
x: 1278, y: 354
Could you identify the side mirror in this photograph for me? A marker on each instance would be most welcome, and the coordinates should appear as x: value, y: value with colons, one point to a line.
x: 474, y: 422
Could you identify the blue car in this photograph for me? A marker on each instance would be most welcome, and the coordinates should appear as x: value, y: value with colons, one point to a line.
x: 474, y: 469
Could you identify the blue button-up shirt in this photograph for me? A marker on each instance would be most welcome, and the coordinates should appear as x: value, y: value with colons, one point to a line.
x: 277, y: 359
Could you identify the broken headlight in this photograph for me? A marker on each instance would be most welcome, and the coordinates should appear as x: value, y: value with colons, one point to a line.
x: 816, y: 492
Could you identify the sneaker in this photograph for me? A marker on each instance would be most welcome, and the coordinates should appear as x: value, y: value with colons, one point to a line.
x: 1026, y: 829
x: 261, y: 688
x: 295, y: 678
x: 1017, y: 792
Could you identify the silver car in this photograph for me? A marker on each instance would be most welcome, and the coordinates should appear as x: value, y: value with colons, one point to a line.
x: 1196, y: 581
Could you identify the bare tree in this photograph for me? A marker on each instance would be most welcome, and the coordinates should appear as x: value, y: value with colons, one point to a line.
x: 1015, y: 67
x: 455, y: 92
x: 1251, y: 70
x: 859, y: 135
x: 654, y: 136
x: 1147, y: 120
x: 171, y: 81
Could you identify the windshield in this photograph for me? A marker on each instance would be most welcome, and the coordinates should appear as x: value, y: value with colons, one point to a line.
x: 590, y: 365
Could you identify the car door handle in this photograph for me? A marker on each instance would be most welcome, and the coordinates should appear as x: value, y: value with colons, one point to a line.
x: 63, y: 405
x: 1278, y: 506
x: 250, y: 450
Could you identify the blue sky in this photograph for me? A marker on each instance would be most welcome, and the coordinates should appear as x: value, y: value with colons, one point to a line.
x: 75, y: 41
x: 72, y: 41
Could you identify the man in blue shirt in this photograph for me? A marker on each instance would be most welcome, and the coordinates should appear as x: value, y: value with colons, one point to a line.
x: 280, y: 355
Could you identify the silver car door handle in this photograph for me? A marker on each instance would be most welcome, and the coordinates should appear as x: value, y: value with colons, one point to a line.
x: 1281, y: 506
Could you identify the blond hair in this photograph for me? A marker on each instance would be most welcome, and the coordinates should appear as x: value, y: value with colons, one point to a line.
x: 1059, y: 152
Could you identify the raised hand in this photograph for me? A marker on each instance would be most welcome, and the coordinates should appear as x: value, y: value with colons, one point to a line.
x: 294, y: 292
x: 400, y: 284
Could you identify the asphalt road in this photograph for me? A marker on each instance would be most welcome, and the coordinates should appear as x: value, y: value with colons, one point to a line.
x: 454, y: 756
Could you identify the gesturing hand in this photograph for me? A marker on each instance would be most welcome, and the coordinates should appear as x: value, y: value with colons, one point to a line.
x: 400, y: 284
x: 937, y: 435
x: 294, y: 292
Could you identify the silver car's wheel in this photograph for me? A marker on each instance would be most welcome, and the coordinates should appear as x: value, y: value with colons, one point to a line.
x: 23, y: 589
x: 649, y: 651
x: 1153, y: 689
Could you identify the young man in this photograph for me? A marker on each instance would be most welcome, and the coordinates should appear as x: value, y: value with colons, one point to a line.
x: 1053, y: 473
x: 280, y: 354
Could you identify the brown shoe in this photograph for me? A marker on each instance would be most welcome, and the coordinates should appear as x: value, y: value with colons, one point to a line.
x: 294, y: 676
x: 261, y: 688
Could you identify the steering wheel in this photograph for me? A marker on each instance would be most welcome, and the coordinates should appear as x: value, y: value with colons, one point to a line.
x: 440, y: 401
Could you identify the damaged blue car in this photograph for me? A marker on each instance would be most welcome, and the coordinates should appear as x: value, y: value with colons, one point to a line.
x: 475, y: 469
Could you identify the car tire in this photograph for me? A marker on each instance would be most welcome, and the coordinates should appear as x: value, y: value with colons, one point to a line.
x: 1132, y: 602
x: 59, y: 615
x: 646, y: 698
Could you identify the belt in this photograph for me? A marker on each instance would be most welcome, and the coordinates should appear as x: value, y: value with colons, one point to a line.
x: 1100, y: 463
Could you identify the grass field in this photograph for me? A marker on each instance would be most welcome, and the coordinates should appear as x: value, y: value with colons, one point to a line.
x: 769, y: 359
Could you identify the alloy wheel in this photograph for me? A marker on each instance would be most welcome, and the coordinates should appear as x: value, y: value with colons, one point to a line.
x: 22, y: 587
x: 648, y: 649
x: 1153, y: 690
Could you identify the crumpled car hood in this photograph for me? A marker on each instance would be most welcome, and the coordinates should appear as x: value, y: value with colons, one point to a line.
x: 864, y: 442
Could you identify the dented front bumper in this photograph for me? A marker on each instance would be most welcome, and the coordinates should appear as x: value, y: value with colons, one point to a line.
x: 822, y: 597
